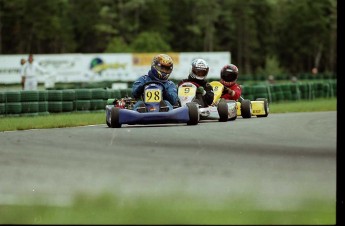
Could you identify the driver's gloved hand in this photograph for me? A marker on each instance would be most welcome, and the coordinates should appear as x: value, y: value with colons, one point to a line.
x: 208, y: 87
x: 200, y: 90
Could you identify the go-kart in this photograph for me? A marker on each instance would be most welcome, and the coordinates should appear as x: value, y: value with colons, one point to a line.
x: 153, y: 109
x: 245, y: 107
x: 220, y: 109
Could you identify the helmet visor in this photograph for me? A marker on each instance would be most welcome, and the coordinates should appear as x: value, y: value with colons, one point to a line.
x: 230, y: 77
x: 201, y: 73
x: 164, y: 69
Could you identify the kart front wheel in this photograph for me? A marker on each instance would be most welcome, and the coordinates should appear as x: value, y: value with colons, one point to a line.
x: 222, y: 111
x: 115, y: 113
x: 266, y: 107
x: 193, y: 111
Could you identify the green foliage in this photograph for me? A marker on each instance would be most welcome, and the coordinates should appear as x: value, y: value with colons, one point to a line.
x: 271, y: 67
x: 150, y: 42
x: 117, y: 45
x: 300, y: 34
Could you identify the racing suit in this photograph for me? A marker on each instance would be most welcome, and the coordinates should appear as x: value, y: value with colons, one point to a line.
x: 169, y: 94
x: 231, y: 86
x: 205, y: 98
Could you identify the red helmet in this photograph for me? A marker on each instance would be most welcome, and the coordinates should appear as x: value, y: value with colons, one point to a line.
x: 229, y: 73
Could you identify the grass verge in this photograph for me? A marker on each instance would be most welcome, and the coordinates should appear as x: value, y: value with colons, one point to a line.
x: 59, y: 120
x: 109, y: 209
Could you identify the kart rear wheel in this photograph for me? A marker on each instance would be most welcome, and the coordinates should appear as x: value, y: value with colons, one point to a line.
x: 115, y: 113
x: 193, y: 110
x: 108, y: 124
x: 266, y: 107
x: 222, y: 111
x: 246, y: 108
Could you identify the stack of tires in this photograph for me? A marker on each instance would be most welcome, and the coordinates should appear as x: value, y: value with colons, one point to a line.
x: 307, y: 91
x: 13, y: 105
x: 295, y: 92
x: 126, y: 92
x: 68, y: 98
x: 260, y: 91
x: 97, y: 102
x: 83, y: 100
x: 55, y: 101
x: 29, y: 100
x: 2, y: 104
x: 43, y: 102
x: 247, y: 92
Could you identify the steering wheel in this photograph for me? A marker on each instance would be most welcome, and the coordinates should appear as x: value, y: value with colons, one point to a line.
x: 155, y: 82
x: 194, y: 83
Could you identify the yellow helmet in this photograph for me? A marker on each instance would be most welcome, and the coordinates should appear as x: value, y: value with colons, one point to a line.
x: 162, y: 66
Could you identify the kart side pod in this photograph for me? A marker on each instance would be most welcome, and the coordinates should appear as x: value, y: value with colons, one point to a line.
x: 188, y: 114
x: 247, y: 108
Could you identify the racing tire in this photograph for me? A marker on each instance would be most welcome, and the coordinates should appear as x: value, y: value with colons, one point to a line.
x: 108, y: 124
x: 246, y: 108
x: 235, y: 117
x: 222, y: 111
x: 115, y: 115
x: 193, y: 111
x: 266, y: 107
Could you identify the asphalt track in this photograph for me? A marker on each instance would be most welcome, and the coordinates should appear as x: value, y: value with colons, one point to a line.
x: 277, y: 161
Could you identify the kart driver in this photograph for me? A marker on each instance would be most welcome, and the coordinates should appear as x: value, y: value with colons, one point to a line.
x: 197, y: 74
x: 228, y: 77
x: 161, y: 68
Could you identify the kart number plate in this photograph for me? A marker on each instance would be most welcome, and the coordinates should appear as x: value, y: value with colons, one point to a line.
x: 186, y: 91
x: 153, y: 95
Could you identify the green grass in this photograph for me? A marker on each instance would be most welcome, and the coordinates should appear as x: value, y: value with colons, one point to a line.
x: 173, y: 209
x: 81, y: 119
x: 322, y: 104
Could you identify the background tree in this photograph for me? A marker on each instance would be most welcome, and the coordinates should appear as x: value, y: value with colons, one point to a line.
x: 293, y: 35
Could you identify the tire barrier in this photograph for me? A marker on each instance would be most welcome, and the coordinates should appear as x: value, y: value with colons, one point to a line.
x: 83, y: 94
x: 247, y: 92
x: 2, y: 109
x: 82, y: 105
x: 55, y: 106
x: 44, y: 102
x: 293, y: 91
x: 54, y: 95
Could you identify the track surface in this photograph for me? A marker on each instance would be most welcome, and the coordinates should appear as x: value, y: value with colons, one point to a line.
x: 277, y: 161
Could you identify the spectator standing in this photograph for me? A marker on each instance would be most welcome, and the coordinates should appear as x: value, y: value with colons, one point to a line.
x: 30, y: 72
x: 22, y: 65
x: 271, y: 79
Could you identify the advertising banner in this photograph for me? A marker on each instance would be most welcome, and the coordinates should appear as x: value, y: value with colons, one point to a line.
x: 124, y: 67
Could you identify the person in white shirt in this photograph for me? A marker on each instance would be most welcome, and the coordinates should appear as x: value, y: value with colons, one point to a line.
x: 31, y: 71
x: 22, y: 65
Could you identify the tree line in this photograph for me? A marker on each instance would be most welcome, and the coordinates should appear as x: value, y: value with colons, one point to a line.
x: 263, y: 36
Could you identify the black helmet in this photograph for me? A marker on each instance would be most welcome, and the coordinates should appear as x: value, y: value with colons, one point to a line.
x: 229, y: 73
x: 199, y: 69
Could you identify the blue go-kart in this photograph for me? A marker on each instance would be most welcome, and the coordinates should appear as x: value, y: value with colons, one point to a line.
x: 152, y: 110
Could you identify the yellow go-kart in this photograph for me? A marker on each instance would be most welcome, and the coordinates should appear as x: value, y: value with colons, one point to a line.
x: 220, y: 109
x: 245, y: 107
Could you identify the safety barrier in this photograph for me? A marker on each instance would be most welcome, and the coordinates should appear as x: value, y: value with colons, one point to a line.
x: 44, y: 102
x: 291, y: 91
